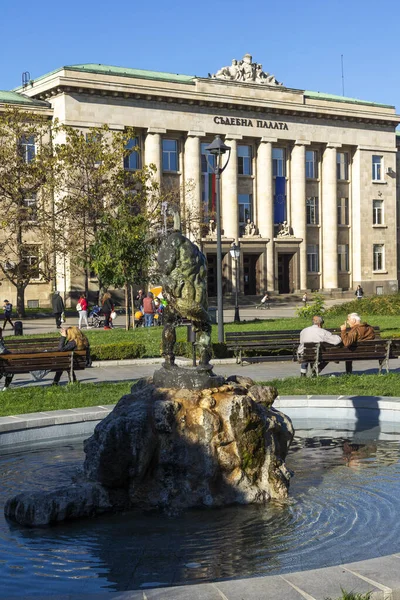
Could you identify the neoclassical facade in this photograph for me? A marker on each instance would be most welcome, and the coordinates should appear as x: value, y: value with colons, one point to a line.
x: 309, y: 191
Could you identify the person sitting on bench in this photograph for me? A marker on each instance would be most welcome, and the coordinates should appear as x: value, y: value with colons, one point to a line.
x: 315, y: 333
x: 72, y: 338
x: 4, y: 350
x: 352, y: 331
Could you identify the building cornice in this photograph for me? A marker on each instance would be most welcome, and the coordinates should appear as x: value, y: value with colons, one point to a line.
x: 208, y: 93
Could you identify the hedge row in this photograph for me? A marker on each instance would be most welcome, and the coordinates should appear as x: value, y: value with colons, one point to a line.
x: 125, y: 350
x: 374, y: 305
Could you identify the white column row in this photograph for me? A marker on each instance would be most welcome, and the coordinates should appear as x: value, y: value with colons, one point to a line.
x: 265, y: 197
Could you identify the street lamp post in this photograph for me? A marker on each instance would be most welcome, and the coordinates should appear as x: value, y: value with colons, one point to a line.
x: 235, y: 253
x: 217, y: 148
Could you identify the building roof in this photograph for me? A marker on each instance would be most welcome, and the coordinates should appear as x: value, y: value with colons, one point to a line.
x: 122, y: 72
x: 334, y: 98
x: 16, y: 98
x: 188, y: 79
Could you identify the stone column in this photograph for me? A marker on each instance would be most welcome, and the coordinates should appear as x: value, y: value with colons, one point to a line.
x: 329, y: 265
x: 152, y: 150
x: 192, y: 182
x: 265, y: 202
x: 298, y: 204
x: 229, y: 196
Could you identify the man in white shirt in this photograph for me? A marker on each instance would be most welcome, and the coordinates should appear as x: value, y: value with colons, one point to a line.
x: 315, y: 333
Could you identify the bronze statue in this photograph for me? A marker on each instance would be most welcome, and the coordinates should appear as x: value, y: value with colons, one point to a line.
x: 184, y: 280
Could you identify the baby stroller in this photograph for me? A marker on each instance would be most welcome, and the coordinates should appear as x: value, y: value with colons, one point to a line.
x: 97, y: 320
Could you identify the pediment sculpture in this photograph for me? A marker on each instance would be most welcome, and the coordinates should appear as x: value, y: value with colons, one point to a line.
x: 245, y: 71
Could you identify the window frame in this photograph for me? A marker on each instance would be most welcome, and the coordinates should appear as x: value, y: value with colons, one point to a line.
x: 342, y: 167
x: 245, y: 162
x: 343, y: 209
x: 378, y: 214
x: 31, y: 203
x: 135, y: 153
x: 312, y: 210
x: 249, y: 203
x: 378, y: 257
x: 312, y: 258
x: 343, y: 251
x: 312, y: 171
x: 279, y: 164
x: 29, y: 256
x: 169, y: 153
x: 27, y: 148
x: 377, y: 168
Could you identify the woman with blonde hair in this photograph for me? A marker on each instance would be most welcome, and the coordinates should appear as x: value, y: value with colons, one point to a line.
x: 72, y: 338
x: 107, y: 308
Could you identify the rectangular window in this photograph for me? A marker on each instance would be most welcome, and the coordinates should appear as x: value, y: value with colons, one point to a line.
x: 170, y: 155
x: 33, y: 304
x: 343, y: 211
x: 342, y: 166
x: 27, y: 148
x: 377, y: 168
x: 312, y: 208
x: 244, y: 160
x: 343, y: 257
x: 132, y: 160
x: 207, y: 159
x: 311, y: 164
x: 379, y: 257
x: 30, y: 208
x: 30, y: 261
x: 377, y: 212
x: 313, y: 258
x: 278, y: 162
x: 245, y: 209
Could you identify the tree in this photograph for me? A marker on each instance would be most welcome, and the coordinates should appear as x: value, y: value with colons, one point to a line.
x: 89, y: 181
x: 26, y: 169
x: 123, y: 250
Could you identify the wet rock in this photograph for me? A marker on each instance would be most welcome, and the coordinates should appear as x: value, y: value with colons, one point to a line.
x: 175, y: 448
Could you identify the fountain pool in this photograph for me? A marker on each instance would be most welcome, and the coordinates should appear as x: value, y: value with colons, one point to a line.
x: 341, y: 497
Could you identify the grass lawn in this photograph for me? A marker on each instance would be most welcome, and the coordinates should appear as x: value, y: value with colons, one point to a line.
x: 29, y: 399
x: 18, y: 401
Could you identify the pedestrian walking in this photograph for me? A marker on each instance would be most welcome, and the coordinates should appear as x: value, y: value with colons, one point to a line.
x: 58, y: 308
x: 82, y: 307
x: 7, y: 307
x: 107, y: 308
x: 304, y: 299
x: 149, y: 310
x: 359, y: 293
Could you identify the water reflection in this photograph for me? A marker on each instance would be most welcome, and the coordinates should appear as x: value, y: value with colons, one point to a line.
x: 324, y: 522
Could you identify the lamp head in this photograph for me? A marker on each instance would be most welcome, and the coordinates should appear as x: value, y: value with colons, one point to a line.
x: 217, y: 146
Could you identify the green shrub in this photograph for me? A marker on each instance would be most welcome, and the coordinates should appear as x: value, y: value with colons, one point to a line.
x: 375, y: 305
x: 316, y: 307
x: 119, y: 351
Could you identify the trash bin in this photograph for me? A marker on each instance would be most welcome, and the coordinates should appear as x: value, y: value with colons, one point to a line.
x: 213, y: 315
x: 18, y: 329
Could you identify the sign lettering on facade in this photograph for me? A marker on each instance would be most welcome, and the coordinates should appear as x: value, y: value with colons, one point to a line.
x: 249, y: 123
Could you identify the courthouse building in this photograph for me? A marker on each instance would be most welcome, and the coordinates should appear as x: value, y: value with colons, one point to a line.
x: 309, y: 191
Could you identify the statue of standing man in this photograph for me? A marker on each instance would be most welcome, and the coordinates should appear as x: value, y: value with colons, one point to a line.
x: 184, y: 280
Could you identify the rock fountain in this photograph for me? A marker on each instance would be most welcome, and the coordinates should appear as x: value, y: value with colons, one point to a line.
x: 186, y: 437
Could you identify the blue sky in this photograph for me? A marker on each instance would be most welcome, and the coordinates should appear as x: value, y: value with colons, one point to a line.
x: 301, y: 43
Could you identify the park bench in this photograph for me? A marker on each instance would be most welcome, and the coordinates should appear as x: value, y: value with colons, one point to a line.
x: 282, y: 344
x: 378, y: 349
x: 42, y: 360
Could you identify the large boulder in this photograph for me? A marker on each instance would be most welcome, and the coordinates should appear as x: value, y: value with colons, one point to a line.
x: 176, y: 448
